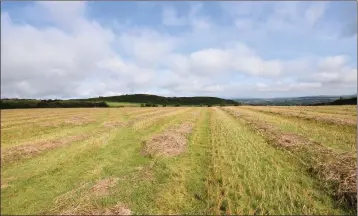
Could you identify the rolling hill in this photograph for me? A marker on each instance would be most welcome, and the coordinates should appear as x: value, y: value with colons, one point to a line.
x: 286, y: 101
x: 117, y: 101
x: 161, y: 100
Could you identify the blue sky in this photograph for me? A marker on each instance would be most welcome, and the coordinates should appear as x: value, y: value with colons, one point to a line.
x: 225, y: 49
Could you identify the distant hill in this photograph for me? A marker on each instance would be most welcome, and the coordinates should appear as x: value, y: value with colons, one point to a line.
x: 342, y: 101
x: 121, y: 100
x: 160, y: 100
x: 308, y: 100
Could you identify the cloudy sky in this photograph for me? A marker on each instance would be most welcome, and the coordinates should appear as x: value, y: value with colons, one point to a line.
x: 225, y: 49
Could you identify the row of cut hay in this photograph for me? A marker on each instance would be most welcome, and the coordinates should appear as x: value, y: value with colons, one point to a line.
x: 149, y: 112
x: 350, y: 110
x: 82, y: 206
x: 133, y: 111
x: 171, y: 142
x: 60, y: 116
x: 32, y: 149
x: 330, y: 119
x: 152, y: 118
x: 338, y: 171
x: 35, y: 114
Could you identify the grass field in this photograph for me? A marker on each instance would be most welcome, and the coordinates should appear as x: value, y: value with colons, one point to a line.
x: 179, y: 160
x: 122, y: 104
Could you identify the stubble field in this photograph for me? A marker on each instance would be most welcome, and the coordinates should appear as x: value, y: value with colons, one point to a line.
x: 179, y: 160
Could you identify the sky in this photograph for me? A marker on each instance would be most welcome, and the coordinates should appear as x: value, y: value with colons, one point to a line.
x: 225, y: 49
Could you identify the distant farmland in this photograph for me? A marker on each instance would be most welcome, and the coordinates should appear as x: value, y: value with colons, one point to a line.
x: 179, y: 160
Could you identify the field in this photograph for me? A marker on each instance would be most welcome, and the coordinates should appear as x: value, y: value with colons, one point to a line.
x: 179, y: 160
x: 122, y: 104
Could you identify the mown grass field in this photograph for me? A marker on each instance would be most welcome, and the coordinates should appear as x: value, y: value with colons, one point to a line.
x: 179, y: 160
x: 122, y: 104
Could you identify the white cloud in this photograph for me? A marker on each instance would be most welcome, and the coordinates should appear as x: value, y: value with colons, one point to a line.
x: 146, y: 45
x: 78, y: 57
x: 332, y: 63
x: 210, y: 61
x: 171, y: 18
x: 52, y: 61
x: 314, y: 12
x: 192, y: 18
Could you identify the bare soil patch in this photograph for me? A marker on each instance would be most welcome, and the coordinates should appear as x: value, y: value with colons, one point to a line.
x: 101, y: 188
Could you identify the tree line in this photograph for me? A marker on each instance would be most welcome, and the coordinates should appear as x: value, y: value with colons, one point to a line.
x: 26, y: 104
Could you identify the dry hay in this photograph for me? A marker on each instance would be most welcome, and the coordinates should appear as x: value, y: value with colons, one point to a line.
x: 144, y: 173
x: 3, y: 186
x: 173, y: 142
x: 101, y: 188
x: 291, y: 139
x: 60, y: 200
x: 118, y: 209
x: 337, y: 170
x: 167, y: 144
x: 340, y: 172
x: 78, y: 120
x: 70, y: 204
x: 5, y: 182
x: 113, y: 124
x: 29, y: 150
x: 184, y: 129
x: 332, y: 119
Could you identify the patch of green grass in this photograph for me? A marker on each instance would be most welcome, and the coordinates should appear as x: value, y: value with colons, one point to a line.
x: 122, y: 104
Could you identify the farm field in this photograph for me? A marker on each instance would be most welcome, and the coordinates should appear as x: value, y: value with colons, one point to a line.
x: 122, y: 104
x: 179, y: 160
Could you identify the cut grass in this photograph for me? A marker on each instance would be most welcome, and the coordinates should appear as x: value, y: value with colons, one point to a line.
x: 339, y: 137
x: 310, y: 115
x: 336, y: 172
x: 27, y: 133
x: 61, y: 170
x: 249, y: 176
x: 184, y: 178
x: 226, y: 168
x: 122, y: 104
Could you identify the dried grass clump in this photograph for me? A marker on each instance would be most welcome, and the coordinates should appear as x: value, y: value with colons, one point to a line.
x: 118, y: 209
x: 113, y: 124
x: 78, y: 121
x: 173, y: 142
x: 101, y: 188
x: 338, y: 171
x: 167, y: 144
x: 29, y: 150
